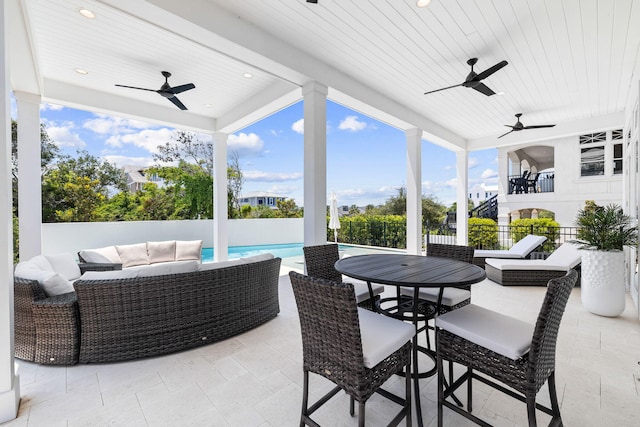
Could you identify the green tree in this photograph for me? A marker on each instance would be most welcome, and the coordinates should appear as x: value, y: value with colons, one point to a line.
x: 288, y: 209
x: 192, y: 189
x: 395, y: 205
x: 483, y: 233
x: 354, y: 210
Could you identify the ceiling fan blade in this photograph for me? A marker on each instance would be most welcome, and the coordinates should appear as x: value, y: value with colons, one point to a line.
x: 444, y: 88
x: 512, y: 127
x: 486, y: 73
x: 506, y: 133
x: 182, y: 88
x: 139, y: 88
x: 482, y: 88
x: 177, y: 102
x: 538, y: 126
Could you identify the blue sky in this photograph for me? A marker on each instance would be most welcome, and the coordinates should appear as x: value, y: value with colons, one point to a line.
x: 366, y: 160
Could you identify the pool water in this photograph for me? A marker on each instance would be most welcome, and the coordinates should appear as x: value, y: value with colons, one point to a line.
x: 283, y: 251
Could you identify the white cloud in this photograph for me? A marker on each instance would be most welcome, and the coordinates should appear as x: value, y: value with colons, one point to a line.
x: 104, y: 124
x: 271, y: 176
x: 53, y: 107
x: 64, y: 137
x: 473, y: 162
x: 352, y: 124
x: 245, y: 144
x: 148, y: 139
x: 298, y: 126
x: 275, y: 132
x: 489, y: 173
x: 120, y: 161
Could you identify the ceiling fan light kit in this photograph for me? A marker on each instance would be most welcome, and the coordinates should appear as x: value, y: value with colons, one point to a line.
x: 167, y: 91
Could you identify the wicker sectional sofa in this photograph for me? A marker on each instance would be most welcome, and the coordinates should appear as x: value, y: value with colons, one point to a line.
x: 113, y: 319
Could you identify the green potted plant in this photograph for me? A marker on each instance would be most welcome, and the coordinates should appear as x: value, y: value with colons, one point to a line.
x: 603, y: 232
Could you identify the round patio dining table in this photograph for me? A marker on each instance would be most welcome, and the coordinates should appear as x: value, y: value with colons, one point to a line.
x: 415, y: 271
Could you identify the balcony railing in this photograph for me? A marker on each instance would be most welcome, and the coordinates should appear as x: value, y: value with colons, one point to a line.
x: 533, y: 183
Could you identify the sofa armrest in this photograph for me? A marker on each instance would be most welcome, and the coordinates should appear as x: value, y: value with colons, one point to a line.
x: 57, y: 327
x: 95, y: 266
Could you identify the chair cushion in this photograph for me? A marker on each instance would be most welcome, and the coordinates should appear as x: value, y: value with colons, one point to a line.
x: 520, y: 250
x: 161, y: 251
x: 381, y: 336
x: 361, y: 288
x: 566, y: 257
x: 143, y: 271
x: 51, y: 282
x: 499, y: 333
x: 65, y: 265
x: 106, y: 255
x: 188, y: 249
x: 133, y: 254
x: 450, y: 296
x: 41, y: 262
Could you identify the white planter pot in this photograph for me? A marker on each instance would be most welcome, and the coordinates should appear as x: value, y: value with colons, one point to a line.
x: 602, y: 285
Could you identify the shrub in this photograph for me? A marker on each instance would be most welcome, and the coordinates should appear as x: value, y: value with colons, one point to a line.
x: 547, y: 227
x: 483, y: 233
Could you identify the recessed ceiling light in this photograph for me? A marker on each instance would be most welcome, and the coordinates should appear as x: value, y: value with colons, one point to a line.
x: 87, y: 13
x: 247, y: 75
x: 81, y: 71
x: 423, y: 3
x: 208, y: 105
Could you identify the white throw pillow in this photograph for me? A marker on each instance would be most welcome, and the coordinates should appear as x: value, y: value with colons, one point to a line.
x: 41, y: 262
x: 23, y: 266
x: 133, y: 254
x: 161, y: 251
x: 188, y: 249
x: 51, y: 282
x: 65, y: 265
x: 106, y: 255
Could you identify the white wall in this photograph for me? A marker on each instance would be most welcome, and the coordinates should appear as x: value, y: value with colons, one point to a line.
x: 74, y: 236
x: 570, y: 189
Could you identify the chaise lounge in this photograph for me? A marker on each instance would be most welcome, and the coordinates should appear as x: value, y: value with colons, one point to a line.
x: 534, y: 272
x: 521, y: 250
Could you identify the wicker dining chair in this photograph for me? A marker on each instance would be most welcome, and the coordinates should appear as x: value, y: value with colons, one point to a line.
x: 320, y: 260
x: 515, y: 353
x: 356, y: 349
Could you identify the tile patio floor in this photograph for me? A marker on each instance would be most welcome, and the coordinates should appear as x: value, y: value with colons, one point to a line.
x: 256, y: 379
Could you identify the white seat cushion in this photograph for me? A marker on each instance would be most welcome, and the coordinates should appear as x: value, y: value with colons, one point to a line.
x: 499, y: 333
x: 361, y: 288
x: 65, y: 265
x: 381, y: 336
x: 566, y: 257
x: 450, y: 296
x: 520, y: 250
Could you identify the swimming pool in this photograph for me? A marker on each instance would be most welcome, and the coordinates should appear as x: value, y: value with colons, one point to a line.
x: 283, y: 251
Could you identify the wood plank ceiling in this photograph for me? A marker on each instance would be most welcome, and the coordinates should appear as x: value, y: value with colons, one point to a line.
x: 569, y: 60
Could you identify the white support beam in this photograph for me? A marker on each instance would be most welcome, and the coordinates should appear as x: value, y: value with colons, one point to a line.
x: 462, y: 197
x: 29, y: 169
x: 220, y: 201
x: 315, y: 163
x: 9, y: 381
x: 414, y: 191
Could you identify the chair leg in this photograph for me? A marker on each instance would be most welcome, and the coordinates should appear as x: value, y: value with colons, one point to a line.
x: 360, y: 414
x: 531, y: 410
x: 407, y: 394
x: 440, y: 388
x: 469, y: 390
x: 555, y: 408
x: 351, y: 405
x: 305, y: 397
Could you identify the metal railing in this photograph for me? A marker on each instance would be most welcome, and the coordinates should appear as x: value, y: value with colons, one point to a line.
x: 535, y: 183
x: 503, y: 236
x: 387, y: 234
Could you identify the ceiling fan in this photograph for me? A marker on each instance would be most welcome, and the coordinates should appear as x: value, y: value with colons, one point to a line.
x: 474, y: 80
x: 167, y: 91
x: 519, y: 126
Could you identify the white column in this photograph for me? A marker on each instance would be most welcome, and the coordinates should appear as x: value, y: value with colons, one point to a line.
x: 29, y: 169
x: 414, y: 191
x: 220, y: 201
x: 9, y: 381
x: 315, y: 163
x: 503, y: 186
x: 462, y: 196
